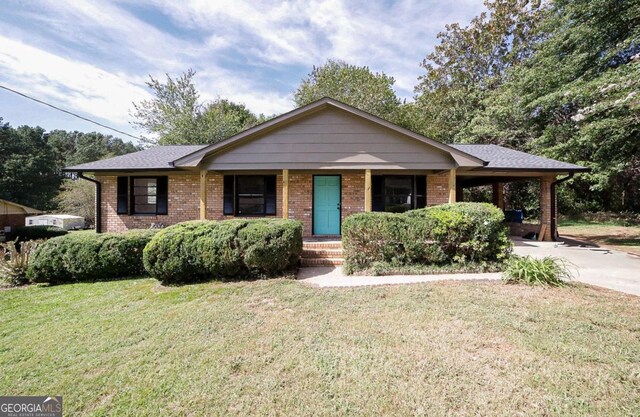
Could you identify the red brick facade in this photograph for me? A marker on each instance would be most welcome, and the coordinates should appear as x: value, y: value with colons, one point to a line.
x: 184, y: 199
x: 183, y: 204
x: 437, y: 189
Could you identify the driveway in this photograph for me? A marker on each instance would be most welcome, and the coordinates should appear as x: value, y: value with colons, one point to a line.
x: 593, y: 265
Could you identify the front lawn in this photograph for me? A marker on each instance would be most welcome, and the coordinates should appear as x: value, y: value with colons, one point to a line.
x: 617, y: 236
x: 279, y: 347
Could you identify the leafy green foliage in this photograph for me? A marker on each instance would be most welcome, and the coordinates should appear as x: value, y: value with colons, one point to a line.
x: 350, y: 84
x: 576, y: 99
x: 548, y: 271
x: 176, y: 116
x: 77, y: 197
x: 74, y: 148
x: 472, y: 61
x: 449, y: 234
x: 31, y: 161
x: 86, y: 256
x: 14, y: 261
x: 29, y: 172
x: 204, y: 250
x: 26, y: 233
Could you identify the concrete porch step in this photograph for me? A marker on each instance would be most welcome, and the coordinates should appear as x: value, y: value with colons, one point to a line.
x: 321, y: 261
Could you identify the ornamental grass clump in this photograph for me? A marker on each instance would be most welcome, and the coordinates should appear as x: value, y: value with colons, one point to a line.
x: 14, y: 262
x: 548, y: 271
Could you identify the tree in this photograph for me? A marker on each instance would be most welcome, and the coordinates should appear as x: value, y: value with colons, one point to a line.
x: 75, y: 147
x: 177, y: 116
x: 576, y: 99
x: 77, y: 197
x: 471, y: 62
x: 30, y: 174
x: 353, y: 85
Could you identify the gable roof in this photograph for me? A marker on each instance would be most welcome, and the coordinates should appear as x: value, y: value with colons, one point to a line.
x: 192, y: 160
x: 157, y: 158
x: 501, y: 158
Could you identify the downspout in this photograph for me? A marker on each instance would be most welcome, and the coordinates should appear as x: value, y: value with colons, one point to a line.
x: 98, y: 200
x: 554, y: 209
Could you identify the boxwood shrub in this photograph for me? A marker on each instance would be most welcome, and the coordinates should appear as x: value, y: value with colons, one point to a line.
x: 458, y: 233
x: 89, y: 257
x: 239, y: 248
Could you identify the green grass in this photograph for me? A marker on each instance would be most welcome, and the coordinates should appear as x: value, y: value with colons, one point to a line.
x: 129, y: 348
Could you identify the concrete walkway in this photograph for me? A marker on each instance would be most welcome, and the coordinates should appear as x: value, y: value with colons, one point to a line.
x: 592, y: 265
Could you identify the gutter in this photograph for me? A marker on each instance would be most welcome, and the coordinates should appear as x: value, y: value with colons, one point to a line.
x: 554, y: 209
x: 98, y: 200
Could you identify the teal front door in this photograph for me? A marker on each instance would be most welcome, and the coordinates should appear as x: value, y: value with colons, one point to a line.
x: 326, y: 205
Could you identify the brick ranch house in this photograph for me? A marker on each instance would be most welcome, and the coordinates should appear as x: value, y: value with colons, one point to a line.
x: 317, y: 164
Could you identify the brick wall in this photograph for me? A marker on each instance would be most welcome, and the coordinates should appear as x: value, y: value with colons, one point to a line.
x: 352, y: 194
x: 437, y: 189
x: 183, y: 204
x: 300, y: 200
x: 545, y: 205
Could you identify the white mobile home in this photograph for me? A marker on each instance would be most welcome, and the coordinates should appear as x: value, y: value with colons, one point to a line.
x: 64, y: 221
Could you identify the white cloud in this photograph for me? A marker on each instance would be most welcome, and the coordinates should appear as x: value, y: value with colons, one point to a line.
x: 94, y: 56
x: 79, y: 86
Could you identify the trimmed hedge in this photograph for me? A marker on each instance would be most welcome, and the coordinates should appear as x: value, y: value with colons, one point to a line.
x: 202, y: 250
x: 456, y: 233
x: 89, y: 257
x: 24, y: 233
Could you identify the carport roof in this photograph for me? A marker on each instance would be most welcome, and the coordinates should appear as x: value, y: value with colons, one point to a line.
x: 505, y: 159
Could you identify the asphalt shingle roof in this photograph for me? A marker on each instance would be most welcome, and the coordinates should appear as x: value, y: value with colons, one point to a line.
x: 159, y: 157
x: 499, y: 157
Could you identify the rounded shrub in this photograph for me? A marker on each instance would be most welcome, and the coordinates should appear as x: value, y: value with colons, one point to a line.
x: 89, y: 257
x: 203, y: 250
x: 456, y: 233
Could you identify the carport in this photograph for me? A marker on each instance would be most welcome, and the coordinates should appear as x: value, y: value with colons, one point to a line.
x: 506, y: 166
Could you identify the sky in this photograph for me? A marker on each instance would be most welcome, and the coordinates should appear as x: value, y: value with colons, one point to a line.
x: 93, y: 57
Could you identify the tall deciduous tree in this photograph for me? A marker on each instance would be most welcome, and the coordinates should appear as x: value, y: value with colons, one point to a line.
x: 175, y: 115
x: 77, y: 197
x: 353, y: 85
x: 472, y: 61
x: 578, y: 99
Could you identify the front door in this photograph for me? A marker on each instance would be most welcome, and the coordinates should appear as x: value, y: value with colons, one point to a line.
x: 326, y: 205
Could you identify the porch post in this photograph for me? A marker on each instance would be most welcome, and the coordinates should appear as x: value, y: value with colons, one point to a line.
x: 545, y: 208
x: 203, y: 194
x: 452, y: 185
x: 367, y: 190
x: 285, y: 193
x: 498, y: 195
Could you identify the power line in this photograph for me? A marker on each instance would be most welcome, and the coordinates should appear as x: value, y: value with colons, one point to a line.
x: 68, y: 112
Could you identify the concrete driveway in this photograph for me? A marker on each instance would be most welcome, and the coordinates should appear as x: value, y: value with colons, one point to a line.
x: 591, y: 264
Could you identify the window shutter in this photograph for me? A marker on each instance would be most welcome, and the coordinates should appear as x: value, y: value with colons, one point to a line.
x: 270, y: 194
x: 377, y: 193
x: 421, y: 191
x: 228, y: 194
x: 123, y: 194
x: 162, y: 195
